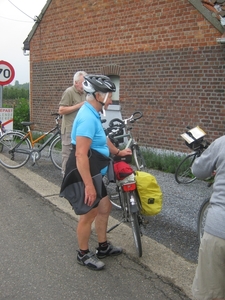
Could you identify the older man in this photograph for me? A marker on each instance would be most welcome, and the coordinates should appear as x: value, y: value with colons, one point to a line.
x: 72, y: 99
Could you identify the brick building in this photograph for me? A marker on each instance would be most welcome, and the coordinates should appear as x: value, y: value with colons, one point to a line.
x: 164, y: 56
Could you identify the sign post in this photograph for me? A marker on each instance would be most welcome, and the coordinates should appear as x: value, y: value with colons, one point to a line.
x: 7, y: 74
x: 1, y: 93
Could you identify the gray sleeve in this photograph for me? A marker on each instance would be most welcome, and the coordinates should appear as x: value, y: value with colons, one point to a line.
x: 204, y: 165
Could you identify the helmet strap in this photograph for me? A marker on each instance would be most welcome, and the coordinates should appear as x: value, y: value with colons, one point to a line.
x: 103, y: 109
x: 102, y: 103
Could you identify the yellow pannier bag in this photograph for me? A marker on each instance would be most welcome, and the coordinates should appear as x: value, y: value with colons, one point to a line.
x: 149, y: 192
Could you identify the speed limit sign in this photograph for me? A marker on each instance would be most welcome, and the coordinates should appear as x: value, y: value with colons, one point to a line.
x: 7, y: 72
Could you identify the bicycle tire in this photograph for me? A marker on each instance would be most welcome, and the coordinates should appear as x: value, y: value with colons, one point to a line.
x: 1, y: 134
x: 136, y: 229
x: 114, y: 199
x: 21, y: 153
x: 138, y: 158
x: 136, y: 233
x: 183, y: 172
x: 202, y: 217
x: 1, y: 146
x: 56, y: 152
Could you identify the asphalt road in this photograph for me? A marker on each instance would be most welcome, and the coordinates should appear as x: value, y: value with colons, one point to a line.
x: 176, y: 225
x: 38, y: 253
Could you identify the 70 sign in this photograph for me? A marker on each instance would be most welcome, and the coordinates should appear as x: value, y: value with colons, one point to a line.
x: 7, y: 72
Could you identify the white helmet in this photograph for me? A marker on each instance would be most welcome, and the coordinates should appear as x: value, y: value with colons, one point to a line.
x: 98, y: 83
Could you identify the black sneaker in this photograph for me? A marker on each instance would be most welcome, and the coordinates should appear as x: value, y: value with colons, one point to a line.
x: 90, y: 261
x: 110, y: 251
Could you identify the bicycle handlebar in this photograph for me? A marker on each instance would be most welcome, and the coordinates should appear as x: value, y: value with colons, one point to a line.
x: 139, y: 115
x: 115, y: 125
x: 58, y: 116
x: 133, y: 118
x: 113, y: 121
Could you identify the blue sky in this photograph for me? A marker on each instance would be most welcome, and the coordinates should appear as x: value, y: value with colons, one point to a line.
x: 15, y: 25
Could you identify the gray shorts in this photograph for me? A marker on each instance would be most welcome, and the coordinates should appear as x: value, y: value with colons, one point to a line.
x: 209, y: 280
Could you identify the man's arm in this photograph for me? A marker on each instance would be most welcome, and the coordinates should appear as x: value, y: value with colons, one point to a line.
x: 65, y: 110
x: 205, y: 164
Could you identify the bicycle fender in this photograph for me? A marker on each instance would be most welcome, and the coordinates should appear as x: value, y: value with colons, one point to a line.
x: 133, y: 208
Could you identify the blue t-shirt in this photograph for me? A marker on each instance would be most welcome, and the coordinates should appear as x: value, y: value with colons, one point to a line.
x: 88, y: 124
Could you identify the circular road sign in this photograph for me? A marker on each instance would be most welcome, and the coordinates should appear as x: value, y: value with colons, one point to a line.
x: 7, y: 72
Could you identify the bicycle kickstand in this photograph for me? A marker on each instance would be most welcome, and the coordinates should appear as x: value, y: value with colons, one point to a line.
x: 114, y: 226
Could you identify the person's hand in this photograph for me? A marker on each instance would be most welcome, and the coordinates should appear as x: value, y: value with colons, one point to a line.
x: 90, y: 194
x: 125, y: 152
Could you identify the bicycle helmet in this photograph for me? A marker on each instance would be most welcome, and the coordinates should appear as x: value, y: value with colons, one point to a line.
x: 98, y: 83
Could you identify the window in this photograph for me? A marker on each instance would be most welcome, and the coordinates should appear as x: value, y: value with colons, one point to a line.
x: 115, y: 96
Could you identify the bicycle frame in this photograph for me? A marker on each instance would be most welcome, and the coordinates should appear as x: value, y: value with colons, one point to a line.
x: 17, y: 146
x: 32, y: 141
x: 131, y: 141
x: 115, y: 128
x: 50, y: 139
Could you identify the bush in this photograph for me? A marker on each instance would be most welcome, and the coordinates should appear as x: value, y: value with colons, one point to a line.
x: 20, y: 113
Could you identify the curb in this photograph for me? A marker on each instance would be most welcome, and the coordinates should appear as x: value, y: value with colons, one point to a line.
x: 159, y: 259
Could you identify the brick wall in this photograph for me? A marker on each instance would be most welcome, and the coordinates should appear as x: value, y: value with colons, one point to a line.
x: 165, y: 52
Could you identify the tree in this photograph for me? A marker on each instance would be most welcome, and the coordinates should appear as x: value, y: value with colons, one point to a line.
x: 10, y: 92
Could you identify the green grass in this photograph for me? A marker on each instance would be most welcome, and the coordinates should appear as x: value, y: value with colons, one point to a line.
x: 163, y: 162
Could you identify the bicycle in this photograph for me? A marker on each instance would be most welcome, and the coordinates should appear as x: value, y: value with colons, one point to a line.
x: 18, y: 147
x: 126, y: 197
x: 2, y: 131
x: 115, y: 133
x: 183, y: 172
x: 203, y: 210
x: 202, y: 217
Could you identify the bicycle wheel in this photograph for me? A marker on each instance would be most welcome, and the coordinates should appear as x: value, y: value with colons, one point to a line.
x: 1, y: 145
x: 202, y: 217
x: 138, y: 158
x: 56, y: 152
x: 16, y: 150
x: 115, y: 200
x: 183, y: 172
x: 135, y: 229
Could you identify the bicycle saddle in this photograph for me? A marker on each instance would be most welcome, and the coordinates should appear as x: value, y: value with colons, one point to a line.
x: 27, y: 123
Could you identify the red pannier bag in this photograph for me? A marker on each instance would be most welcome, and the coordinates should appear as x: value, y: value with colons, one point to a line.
x: 122, y: 170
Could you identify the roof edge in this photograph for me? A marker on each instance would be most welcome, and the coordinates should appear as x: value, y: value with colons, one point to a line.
x: 207, y: 14
x: 26, y: 42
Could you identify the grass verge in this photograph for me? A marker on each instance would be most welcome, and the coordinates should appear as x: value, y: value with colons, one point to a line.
x: 162, y: 161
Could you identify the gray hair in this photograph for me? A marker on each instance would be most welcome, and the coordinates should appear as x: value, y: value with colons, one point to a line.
x: 77, y: 75
x: 91, y: 97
